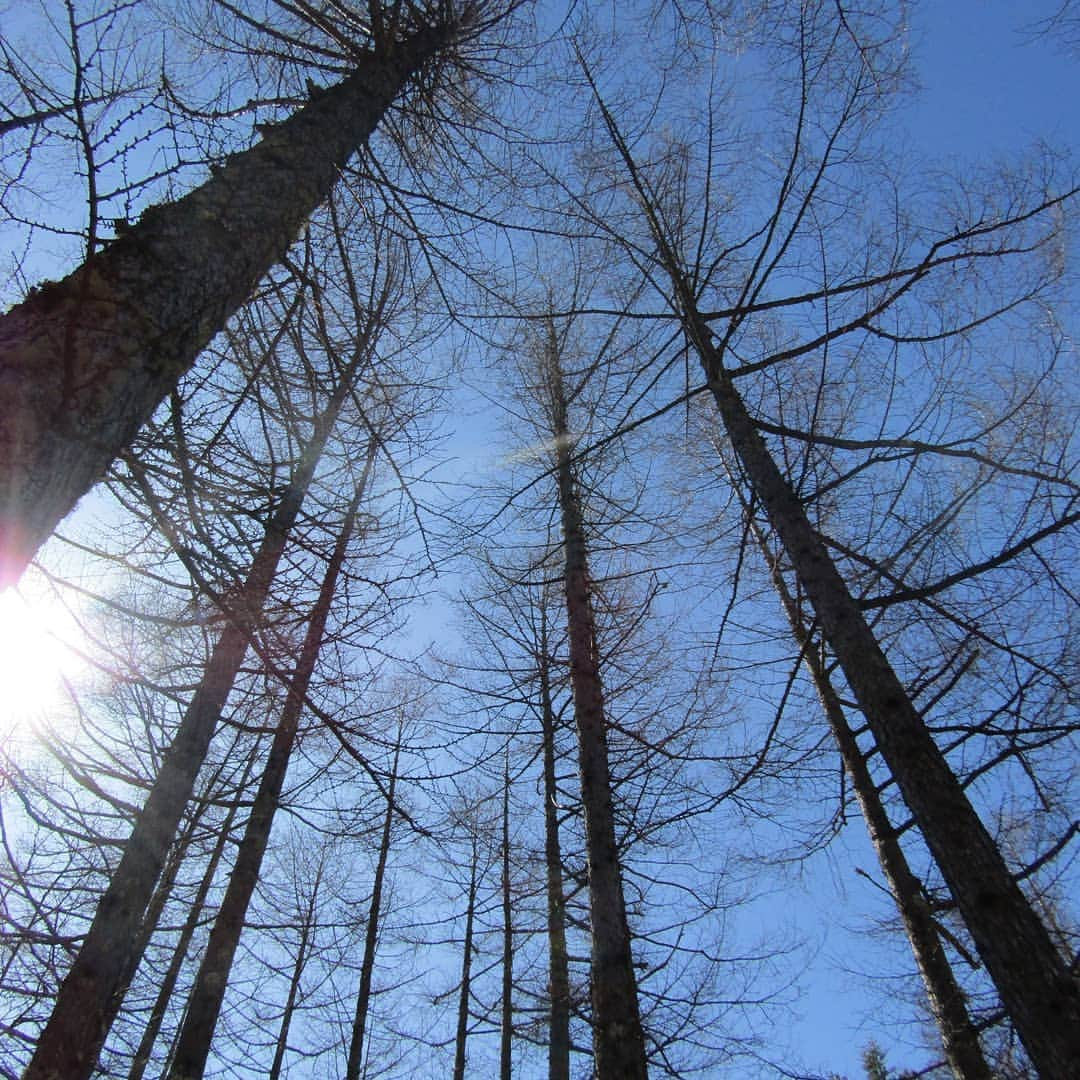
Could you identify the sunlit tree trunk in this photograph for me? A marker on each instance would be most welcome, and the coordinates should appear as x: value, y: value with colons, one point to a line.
x: 371, y: 934
x: 85, y: 361
x: 618, y: 1039
x: 208, y: 992
x: 72, y: 1038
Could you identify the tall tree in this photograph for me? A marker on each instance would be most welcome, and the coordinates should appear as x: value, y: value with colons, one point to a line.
x: 85, y: 361
x: 72, y: 1039
x: 619, y: 1041
x: 1039, y: 991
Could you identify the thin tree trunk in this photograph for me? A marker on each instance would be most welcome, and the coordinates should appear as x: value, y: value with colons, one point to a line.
x: 959, y: 1035
x: 371, y: 935
x: 72, y: 1039
x: 85, y: 361
x: 558, y: 958
x: 507, y: 1030
x: 294, y: 982
x: 1039, y: 991
x: 1035, y: 985
x: 187, y: 932
x: 208, y: 992
x: 619, y: 1042
x: 466, y: 972
x: 158, y: 901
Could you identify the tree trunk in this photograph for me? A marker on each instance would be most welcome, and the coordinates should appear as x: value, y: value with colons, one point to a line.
x: 294, y: 982
x: 85, y: 361
x: 1035, y: 985
x: 558, y: 958
x: 70, y: 1043
x: 466, y: 971
x: 507, y: 1027
x: 619, y: 1042
x: 371, y: 935
x: 187, y: 932
x: 208, y: 992
x: 959, y: 1035
x: 1037, y: 988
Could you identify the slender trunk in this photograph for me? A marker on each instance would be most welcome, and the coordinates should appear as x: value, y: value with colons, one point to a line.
x: 466, y: 972
x: 85, y: 361
x: 371, y: 935
x: 70, y: 1043
x: 161, y: 895
x: 187, y: 932
x: 619, y: 1042
x: 959, y: 1035
x: 507, y: 1032
x: 208, y: 992
x: 558, y: 958
x: 294, y: 982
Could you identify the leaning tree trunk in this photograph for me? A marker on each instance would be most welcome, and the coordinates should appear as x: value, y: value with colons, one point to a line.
x: 1039, y: 991
x: 618, y: 1038
x: 85, y: 361
x: 187, y: 932
x: 959, y: 1035
x: 1036, y: 987
x: 71, y: 1041
x: 371, y: 933
x: 208, y: 991
x: 558, y: 958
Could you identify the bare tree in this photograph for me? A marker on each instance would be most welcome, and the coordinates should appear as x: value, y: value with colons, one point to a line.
x: 85, y: 361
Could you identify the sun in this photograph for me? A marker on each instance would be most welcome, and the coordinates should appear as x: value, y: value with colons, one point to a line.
x: 39, y: 641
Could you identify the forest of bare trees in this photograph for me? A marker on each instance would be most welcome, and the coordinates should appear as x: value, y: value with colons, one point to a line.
x: 558, y: 512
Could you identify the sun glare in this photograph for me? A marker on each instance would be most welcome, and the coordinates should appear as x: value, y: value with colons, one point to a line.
x: 36, y: 657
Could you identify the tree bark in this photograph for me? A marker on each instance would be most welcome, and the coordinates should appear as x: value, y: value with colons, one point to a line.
x: 618, y: 1039
x: 959, y: 1036
x: 1036, y: 987
x: 371, y: 935
x: 558, y: 958
x: 72, y: 1038
x: 85, y: 361
x: 208, y: 991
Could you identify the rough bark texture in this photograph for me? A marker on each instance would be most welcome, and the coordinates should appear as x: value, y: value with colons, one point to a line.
x: 618, y: 1039
x: 371, y: 935
x: 85, y: 361
x: 558, y: 958
x: 69, y: 1045
x: 208, y: 991
x: 959, y: 1036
